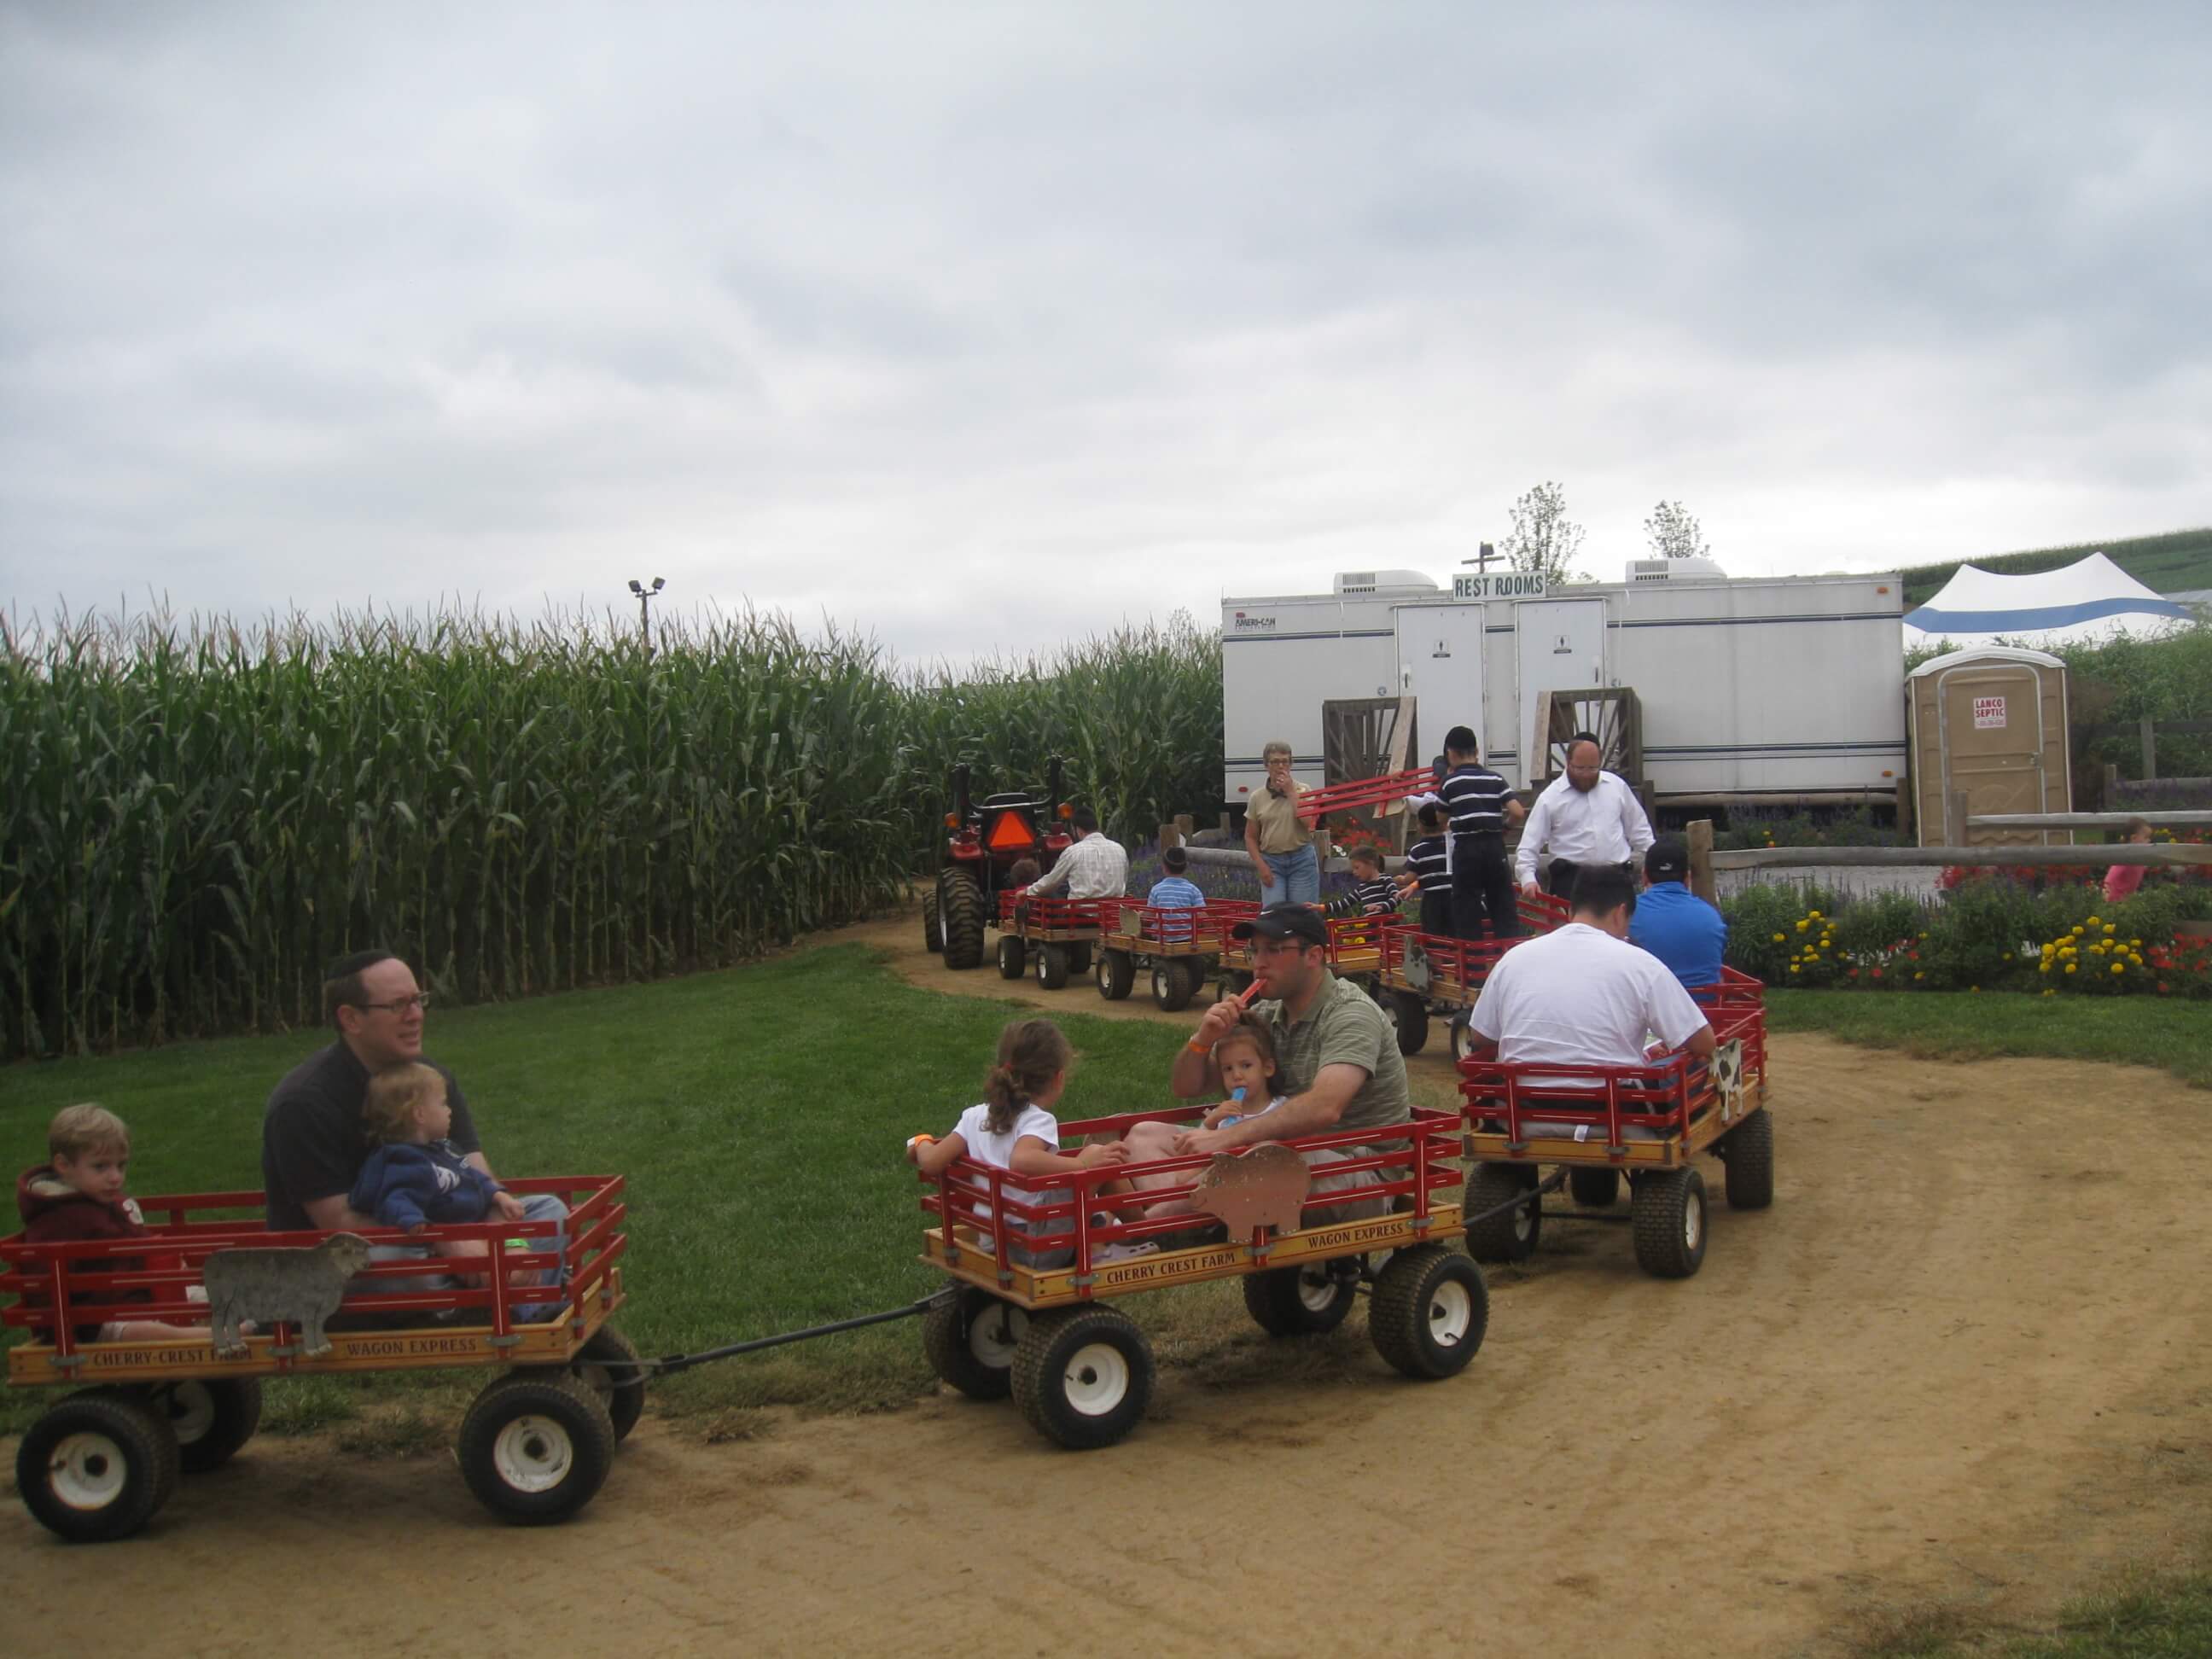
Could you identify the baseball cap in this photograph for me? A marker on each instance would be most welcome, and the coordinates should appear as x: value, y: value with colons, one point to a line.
x: 1297, y: 921
x: 1669, y: 859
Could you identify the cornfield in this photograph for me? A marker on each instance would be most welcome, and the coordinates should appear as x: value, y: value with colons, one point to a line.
x: 198, y: 818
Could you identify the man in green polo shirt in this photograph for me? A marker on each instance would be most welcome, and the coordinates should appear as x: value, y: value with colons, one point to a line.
x: 1332, y: 1042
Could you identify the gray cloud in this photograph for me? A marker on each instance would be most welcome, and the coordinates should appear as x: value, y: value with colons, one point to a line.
x: 988, y: 325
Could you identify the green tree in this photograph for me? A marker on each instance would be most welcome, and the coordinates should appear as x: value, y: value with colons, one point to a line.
x: 1675, y: 532
x: 1543, y: 539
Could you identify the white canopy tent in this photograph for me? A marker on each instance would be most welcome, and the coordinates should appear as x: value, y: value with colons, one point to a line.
x: 2085, y: 603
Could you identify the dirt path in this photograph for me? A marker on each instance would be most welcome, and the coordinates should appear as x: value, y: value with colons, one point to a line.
x: 1960, y: 1357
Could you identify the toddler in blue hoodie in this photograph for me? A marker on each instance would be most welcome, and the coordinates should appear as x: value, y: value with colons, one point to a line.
x: 416, y: 1177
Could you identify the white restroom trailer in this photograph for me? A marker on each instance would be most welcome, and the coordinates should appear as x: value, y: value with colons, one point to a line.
x: 1788, y: 686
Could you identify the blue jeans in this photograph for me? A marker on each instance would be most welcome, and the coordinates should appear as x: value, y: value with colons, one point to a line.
x: 536, y: 1206
x: 1298, y: 876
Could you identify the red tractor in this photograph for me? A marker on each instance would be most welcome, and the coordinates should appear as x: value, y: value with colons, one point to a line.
x: 987, y: 838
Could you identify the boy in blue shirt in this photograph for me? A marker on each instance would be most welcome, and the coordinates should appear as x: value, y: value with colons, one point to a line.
x: 1673, y: 923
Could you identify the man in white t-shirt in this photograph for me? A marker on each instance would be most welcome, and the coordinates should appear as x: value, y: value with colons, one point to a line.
x: 1582, y: 996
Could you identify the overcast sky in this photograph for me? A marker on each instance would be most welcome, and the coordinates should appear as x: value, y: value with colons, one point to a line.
x: 988, y: 325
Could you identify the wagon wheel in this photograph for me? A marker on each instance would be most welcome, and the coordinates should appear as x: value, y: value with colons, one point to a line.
x: 1594, y: 1188
x: 1052, y: 966
x: 1748, y: 1150
x: 1610, y: 713
x: 1430, y: 1310
x: 1667, y: 1212
x: 1175, y: 982
x: 970, y: 1341
x: 211, y: 1419
x: 97, y: 1467
x: 1083, y: 1376
x: 536, y: 1447
x: 1511, y: 1234
x: 1409, y: 1020
x: 1304, y: 1300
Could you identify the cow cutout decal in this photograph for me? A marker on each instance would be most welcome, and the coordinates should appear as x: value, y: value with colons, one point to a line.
x: 1263, y: 1186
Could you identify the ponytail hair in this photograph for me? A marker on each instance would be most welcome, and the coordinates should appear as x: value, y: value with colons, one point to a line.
x: 1031, y: 1052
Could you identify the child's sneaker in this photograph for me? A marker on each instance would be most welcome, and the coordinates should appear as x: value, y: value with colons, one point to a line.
x: 1124, y: 1252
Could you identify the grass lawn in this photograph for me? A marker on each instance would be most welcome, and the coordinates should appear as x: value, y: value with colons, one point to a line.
x: 1981, y: 1025
x: 2158, y: 1617
x: 760, y: 1115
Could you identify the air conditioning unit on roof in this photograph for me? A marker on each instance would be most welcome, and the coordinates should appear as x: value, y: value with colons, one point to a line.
x: 1642, y: 571
x: 1352, y: 582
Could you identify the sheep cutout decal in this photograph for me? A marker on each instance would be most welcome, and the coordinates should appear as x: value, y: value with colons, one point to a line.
x: 1728, y: 1079
x: 303, y: 1287
x: 1263, y: 1186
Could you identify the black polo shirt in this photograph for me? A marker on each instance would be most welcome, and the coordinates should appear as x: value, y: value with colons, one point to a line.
x: 313, y: 1142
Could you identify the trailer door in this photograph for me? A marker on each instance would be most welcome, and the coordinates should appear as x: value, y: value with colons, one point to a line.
x: 1561, y: 648
x: 1440, y: 667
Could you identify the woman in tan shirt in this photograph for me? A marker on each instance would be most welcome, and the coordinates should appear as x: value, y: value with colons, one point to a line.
x: 1280, y: 843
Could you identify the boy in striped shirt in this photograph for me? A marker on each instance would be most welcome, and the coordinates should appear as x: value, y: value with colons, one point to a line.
x: 1479, y: 802
x: 1428, y: 867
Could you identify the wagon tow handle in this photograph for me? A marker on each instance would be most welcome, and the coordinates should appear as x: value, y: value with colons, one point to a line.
x: 681, y: 1362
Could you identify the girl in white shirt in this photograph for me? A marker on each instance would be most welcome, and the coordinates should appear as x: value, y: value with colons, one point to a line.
x: 1013, y: 1129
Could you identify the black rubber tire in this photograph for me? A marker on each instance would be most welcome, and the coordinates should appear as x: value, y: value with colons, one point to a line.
x: 210, y: 1419
x: 1116, y: 974
x: 1429, y: 1312
x: 67, y: 1460
x: 545, y: 1419
x: 1301, y: 1301
x: 1052, y: 966
x: 1409, y: 1018
x: 960, y: 913
x: 1513, y: 1235
x: 1013, y: 961
x: 1748, y: 1151
x: 1175, y: 982
x: 1667, y: 1208
x: 607, y: 1364
x: 932, y: 930
x: 1083, y: 1375
x: 970, y: 1342
x: 1594, y: 1189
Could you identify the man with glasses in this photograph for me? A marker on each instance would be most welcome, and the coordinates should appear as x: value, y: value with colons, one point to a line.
x: 312, y: 1140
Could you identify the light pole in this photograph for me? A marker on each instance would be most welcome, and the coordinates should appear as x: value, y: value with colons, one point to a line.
x: 646, y: 596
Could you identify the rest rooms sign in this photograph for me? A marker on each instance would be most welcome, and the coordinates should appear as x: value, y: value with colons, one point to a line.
x: 1503, y: 585
x: 1989, y: 714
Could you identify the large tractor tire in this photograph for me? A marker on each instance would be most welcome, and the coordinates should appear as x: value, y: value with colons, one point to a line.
x: 960, y: 914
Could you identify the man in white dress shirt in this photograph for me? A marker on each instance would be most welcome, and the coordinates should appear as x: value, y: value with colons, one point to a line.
x: 1588, y: 816
x: 1094, y: 867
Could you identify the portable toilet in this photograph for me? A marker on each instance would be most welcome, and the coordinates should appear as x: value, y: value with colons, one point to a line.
x: 1989, y: 726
